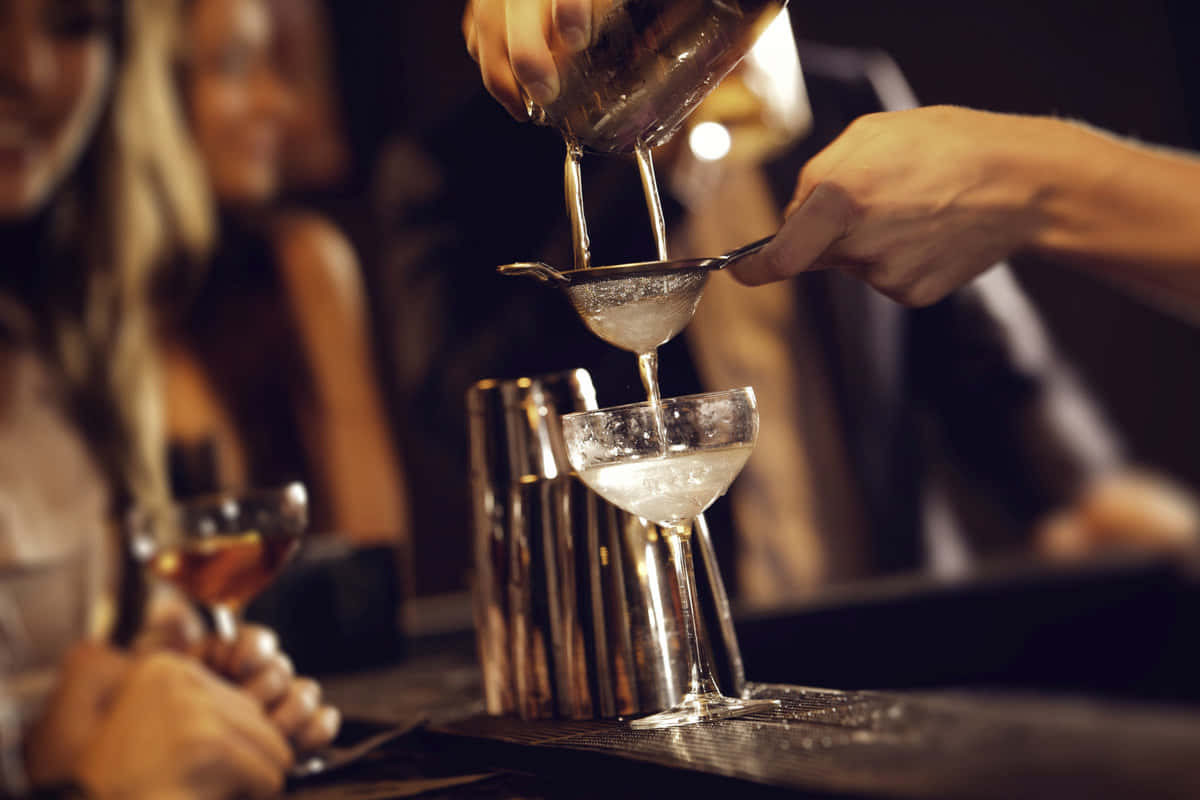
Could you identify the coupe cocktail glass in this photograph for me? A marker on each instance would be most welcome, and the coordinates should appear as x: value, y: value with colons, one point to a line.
x: 668, y: 461
x: 222, y: 549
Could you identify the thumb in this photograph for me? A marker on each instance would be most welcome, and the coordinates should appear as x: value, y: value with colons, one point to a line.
x: 806, y: 234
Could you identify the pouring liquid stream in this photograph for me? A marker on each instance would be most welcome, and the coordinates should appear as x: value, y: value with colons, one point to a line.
x: 573, y: 184
x: 581, y: 247
x: 648, y: 361
x: 645, y: 163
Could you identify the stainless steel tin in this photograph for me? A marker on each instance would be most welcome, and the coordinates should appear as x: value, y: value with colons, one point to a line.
x: 650, y: 63
x: 576, y: 605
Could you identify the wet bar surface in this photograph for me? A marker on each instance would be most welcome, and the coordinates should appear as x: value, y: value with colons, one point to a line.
x: 963, y: 745
x: 819, y: 743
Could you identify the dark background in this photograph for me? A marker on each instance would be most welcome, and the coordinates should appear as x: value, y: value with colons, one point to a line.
x: 1128, y: 66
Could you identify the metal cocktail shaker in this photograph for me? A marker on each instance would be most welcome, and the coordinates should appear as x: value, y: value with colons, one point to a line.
x: 576, y: 606
x: 651, y: 62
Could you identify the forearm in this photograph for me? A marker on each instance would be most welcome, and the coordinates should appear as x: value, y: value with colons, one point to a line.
x: 1125, y: 211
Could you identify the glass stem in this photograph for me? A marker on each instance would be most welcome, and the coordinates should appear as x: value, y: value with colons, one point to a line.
x: 700, y: 671
x: 225, y: 622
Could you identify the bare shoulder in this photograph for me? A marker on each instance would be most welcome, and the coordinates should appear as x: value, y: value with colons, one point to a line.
x: 318, y: 263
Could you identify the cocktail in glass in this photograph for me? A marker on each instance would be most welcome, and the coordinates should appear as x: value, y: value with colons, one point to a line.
x: 668, y: 461
x: 221, y: 550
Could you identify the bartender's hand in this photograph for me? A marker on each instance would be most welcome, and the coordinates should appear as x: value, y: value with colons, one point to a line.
x: 515, y: 41
x: 1125, y: 511
x: 157, y: 726
x: 916, y: 203
x: 253, y: 662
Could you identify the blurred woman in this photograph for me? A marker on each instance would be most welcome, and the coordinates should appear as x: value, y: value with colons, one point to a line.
x: 269, y: 367
x: 96, y: 188
x: 316, y: 155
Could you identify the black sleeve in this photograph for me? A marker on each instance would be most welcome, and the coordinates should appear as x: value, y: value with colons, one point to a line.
x: 1004, y: 400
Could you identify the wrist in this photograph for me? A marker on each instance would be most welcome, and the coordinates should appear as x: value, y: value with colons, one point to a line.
x: 1015, y: 173
x: 1039, y: 169
x: 1071, y: 170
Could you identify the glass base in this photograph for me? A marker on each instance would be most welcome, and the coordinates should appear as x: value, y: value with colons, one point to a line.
x: 695, y: 708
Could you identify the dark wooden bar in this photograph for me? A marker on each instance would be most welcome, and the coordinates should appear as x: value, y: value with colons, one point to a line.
x: 820, y: 743
x: 1034, y: 734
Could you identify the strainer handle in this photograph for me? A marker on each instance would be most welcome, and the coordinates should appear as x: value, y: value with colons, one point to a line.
x: 745, y: 250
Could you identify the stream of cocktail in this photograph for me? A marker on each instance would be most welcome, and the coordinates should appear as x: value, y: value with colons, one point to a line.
x: 573, y: 189
x: 648, y: 361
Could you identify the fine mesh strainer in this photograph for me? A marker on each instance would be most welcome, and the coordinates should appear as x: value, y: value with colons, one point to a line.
x: 636, y: 307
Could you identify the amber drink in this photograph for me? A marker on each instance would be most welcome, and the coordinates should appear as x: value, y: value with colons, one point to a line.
x: 221, y: 550
x: 225, y: 569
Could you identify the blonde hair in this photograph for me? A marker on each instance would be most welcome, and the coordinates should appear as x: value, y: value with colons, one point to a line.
x: 148, y: 207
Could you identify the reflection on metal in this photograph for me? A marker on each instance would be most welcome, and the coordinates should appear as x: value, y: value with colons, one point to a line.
x: 650, y: 63
x: 576, y: 606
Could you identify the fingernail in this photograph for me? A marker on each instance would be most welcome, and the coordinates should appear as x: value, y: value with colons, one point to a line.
x: 287, y: 665
x: 542, y: 93
x: 331, y: 720
x: 311, y: 697
x: 276, y: 682
x: 575, y: 38
x: 266, y: 645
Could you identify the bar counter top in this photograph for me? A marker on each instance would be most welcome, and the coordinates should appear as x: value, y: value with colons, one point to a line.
x: 819, y: 743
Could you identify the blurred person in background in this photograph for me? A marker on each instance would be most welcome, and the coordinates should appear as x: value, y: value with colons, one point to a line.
x: 97, y: 189
x: 269, y: 365
x: 316, y: 156
x: 888, y: 425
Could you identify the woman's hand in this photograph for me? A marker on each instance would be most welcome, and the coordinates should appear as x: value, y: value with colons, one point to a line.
x: 515, y: 43
x: 176, y: 730
x: 91, y: 677
x: 253, y: 662
x: 154, y: 726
